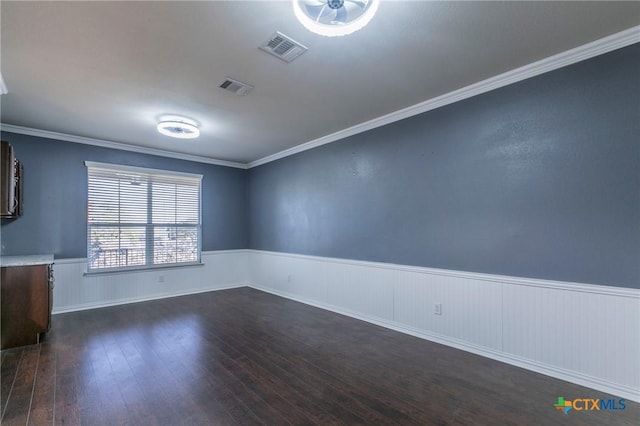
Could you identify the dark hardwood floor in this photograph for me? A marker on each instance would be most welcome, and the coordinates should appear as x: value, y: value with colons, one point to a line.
x: 242, y: 356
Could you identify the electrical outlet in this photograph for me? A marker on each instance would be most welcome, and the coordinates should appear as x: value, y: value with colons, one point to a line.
x: 437, y: 309
x: 161, y: 279
x: 288, y: 278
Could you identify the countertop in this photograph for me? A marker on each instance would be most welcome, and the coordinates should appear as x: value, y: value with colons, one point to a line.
x: 28, y: 260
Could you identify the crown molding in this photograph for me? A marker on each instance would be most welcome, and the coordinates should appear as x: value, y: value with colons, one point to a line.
x: 117, y: 145
x: 569, y: 57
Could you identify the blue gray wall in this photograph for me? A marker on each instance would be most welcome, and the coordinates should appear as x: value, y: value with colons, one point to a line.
x: 55, y: 197
x: 538, y: 179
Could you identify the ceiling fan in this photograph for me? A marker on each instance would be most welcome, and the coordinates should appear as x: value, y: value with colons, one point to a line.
x: 335, y: 17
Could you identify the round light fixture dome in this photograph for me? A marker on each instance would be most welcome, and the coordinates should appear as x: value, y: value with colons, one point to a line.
x: 179, y: 128
x: 335, y: 17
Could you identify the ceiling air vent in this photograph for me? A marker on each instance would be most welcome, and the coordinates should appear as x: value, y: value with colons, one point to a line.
x: 235, y: 86
x: 283, y: 47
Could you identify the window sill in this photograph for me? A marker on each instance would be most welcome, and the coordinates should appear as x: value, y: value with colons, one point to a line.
x: 146, y: 268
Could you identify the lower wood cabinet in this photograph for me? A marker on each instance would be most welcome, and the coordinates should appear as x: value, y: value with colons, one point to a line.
x: 26, y: 300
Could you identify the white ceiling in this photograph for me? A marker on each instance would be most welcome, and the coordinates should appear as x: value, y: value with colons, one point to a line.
x: 109, y: 70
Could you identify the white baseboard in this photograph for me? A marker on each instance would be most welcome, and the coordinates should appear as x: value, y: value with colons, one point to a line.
x: 581, y: 333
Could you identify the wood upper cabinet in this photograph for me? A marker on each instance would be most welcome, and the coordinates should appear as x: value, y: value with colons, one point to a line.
x: 10, y: 183
x: 26, y: 301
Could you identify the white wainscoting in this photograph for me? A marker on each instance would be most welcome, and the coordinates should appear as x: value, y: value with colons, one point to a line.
x: 75, y: 291
x: 585, y: 334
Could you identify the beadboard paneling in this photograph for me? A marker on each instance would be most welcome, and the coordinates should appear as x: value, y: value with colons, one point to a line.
x: 470, y: 309
x: 76, y: 291
x: 359, y: 289
x: 594, y: 334
x: 585, y: 334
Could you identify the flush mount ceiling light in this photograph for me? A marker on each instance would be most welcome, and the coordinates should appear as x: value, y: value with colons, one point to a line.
x: 335, y: 17
x: 178, y: 127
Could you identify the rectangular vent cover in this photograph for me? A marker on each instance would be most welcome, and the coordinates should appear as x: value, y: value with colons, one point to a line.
x: 283, y: 47
x: 235, y: 86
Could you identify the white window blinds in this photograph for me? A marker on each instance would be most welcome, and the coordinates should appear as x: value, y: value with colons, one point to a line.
x: 138, y: 218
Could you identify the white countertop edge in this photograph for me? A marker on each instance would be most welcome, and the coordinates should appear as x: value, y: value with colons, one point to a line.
x: 27, y: 260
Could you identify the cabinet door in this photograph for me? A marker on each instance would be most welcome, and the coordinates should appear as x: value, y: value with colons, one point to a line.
x: 51, y: 284
x: 19, y: 173
x: 24, y: 309
x: 7, y: 180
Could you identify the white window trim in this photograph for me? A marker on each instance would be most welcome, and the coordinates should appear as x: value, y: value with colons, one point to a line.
x: 140, y: 268
x: 147, y: 268
x: 140, y: 169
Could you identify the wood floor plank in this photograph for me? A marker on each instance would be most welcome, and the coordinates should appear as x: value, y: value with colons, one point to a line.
x: 322, y: 394
x: 43, y: 398
x: 244, y: 357
x: 8, y: 372
x: 162, y: 398
x: 19, y: 403
x: 66, y: 407
x: 305, y: 410
x: 391, y: 408
x: 350, y: 397
x: 167, y: 377
x: 241, y: 368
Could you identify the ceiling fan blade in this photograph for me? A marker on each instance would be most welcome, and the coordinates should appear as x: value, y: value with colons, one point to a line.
x: 317, y: 11
x: 341, y: 15
x: 358, y: 3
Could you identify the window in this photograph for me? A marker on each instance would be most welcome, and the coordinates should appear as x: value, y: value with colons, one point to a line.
x: 141, y: 218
